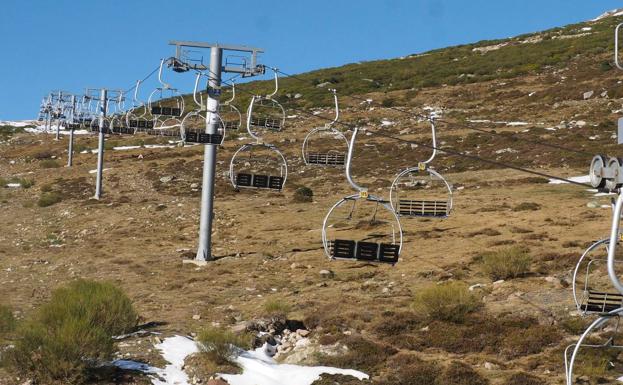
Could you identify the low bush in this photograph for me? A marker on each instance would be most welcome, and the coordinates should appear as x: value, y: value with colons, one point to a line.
x: 71, y: 334
x: 522, y: 378
x: 49, y: 198
x: 276, y: 308
x: 303, y: 194
x: 458, y: 373
x: 49, y: 163
x: 7, y: 321
x: 407, y: 369
x: 222, y: 344
x: 450, y: 301
x: 532, y: 340
x: 527, y: 206
x: 506, y: 263
x: 362, y: 354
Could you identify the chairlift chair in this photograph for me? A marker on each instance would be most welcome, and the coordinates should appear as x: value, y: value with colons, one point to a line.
x: 592, y: 291
x: 169, y: 106
x: 230, y: 114
x: 364, y: 245
x: 421, y: 191
x: 138, y: 118
x: 326, y: 155
x: 265, y: 113
x: 264, y: 167
x: 610, y: 342
x: 193, y: 126
x: 608, y: 308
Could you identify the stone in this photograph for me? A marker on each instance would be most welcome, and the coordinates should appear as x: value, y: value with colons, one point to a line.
x: 194, y: 262
x: 167, y: 179
x: 580, y: 123
x: 326, y: 274
x: 303, y: 332
x: 490, y: 366
x: 588, y: 95
x: 593, y: 205
x: 477, y: 286
x: 196, y: 317
x: 217, y: 381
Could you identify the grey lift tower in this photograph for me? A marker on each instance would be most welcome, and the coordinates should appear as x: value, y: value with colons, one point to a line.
x: 181, y: 63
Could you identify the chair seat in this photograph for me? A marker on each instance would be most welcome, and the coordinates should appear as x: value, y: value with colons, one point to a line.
x: 331, y: 159
x: 600, y: 302
x: 259, y: 181
x: 422, y: 208
x: 364, y: 251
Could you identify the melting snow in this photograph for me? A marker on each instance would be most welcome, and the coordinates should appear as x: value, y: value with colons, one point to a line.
x: 579, y: 179
x: 174, y: 351
x: 14, y: 185
x: 386, y: 123
x: 614, y: 12
x: 260, y: 369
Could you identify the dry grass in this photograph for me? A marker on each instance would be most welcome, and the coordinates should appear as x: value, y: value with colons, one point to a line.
x: 447, y: 302
x: 506, y: 263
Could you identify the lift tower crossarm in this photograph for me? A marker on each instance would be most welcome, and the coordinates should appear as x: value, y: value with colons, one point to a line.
x: 182, y: 66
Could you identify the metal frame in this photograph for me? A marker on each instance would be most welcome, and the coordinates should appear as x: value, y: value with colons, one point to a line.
x: 327, y: 129
x: 283, y: 169
x: 232, y: 108
x: 267, y: 101
x: 609, y: 344
x: 421, y: 168
x: 362, y: 194
x: 201, y: 112
x: 175, y: 94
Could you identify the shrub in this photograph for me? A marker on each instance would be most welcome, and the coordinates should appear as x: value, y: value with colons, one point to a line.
x: 276, y: 307
x: 362, y: 354
x: 222, y: 344
x: 527, y: 206
x: 26, y: 183
x: 72, y: 333
x: 450, y: 301
x: 458, y: 373
x: 49, y: 163
x: 522, y: 378
x: 303, y: 194
x: 7, y: 321
x: 506, y: 263
x: 49, y: 198
x: 411, y: 370
x: 528, y: 341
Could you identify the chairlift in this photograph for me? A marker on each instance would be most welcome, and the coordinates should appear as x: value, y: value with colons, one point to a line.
x: 598, y: 337
x: 591, y: 287
x: 264, y: 167
x: 596, y: 300
x: 193, y: 126
x: 327, y: 154
x: 169, y: 107
x: 138, y: 118
x: 230, y: 114
x: 421, y: 191
x: 361, y: 216
x: 265, y: 113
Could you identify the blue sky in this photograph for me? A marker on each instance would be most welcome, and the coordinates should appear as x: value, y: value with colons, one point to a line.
x: 72, y: 44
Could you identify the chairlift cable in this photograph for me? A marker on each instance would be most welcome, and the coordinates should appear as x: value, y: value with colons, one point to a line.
x: 456, y: 124
x: 444, y: 149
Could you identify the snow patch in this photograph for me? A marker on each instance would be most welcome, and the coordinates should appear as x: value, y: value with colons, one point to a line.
x: 579, y: 179
x: 260, y: 369
x: 613, y: 13
x: 174, y: 351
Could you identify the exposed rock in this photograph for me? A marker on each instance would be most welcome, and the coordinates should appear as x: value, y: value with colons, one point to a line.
x: 588, y: 95
x: 327, y: 274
